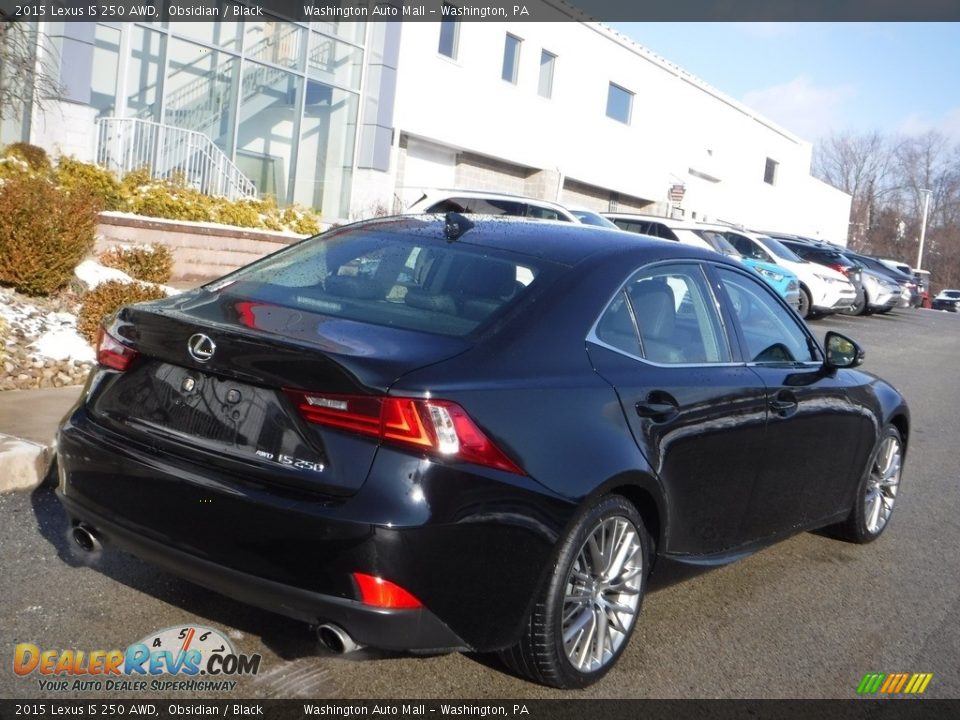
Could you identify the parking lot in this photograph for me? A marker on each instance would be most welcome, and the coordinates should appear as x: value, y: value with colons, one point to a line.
x: 806, y: 618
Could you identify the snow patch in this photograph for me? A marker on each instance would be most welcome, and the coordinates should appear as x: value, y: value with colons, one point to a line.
x: 64, y: 343
x: 92, y: 274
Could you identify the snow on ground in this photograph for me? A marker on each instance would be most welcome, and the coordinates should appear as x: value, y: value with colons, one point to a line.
x: 64, y: 343
x: 46, y: 335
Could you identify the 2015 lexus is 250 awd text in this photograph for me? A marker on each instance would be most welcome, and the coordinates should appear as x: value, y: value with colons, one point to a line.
x: 462, y: 432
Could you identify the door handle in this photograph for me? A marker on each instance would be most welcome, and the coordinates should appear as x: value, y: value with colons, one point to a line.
x: 784, y: 403
x: 658, y: 407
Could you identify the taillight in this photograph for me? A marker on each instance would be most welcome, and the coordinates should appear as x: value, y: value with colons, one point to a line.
x: 383, y: 593
x: 112, y: 353
x: 841, y: 269
x: 439, y: 427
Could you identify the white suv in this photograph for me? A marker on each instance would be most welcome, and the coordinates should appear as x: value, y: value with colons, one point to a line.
x: 711, y: 237
x: 823, y: 290
x: 483, y: 202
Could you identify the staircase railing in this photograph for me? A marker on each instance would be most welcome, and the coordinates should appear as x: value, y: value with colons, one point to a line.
x: 125, y: 144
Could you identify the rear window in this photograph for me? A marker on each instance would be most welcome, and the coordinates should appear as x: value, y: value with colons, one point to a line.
x: 402, y: 281
x: 480, y: 206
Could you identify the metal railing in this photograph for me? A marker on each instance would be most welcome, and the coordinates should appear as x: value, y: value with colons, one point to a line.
x: 126, y: 144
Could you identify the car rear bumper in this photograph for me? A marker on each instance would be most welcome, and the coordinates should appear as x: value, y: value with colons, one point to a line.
x: 473, y: 547
x: 391, y: 629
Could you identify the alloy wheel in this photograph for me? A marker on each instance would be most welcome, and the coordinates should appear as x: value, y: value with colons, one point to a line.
x: 602, y: 594
x: 882, y: 485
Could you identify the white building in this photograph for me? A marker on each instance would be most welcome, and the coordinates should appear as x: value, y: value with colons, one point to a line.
x: 358, y: 118
x: 591, y: 118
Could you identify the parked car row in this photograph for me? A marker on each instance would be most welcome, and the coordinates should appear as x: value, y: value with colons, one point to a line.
x: 815, y: 277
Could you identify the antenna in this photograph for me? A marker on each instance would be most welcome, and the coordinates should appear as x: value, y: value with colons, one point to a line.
x: 456, y: 225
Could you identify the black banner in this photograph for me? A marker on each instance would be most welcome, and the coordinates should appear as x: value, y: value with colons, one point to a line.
x: 571, y: 709
x: 480, y: 10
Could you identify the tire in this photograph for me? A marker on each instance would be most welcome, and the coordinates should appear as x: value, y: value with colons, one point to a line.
x: 876, y: 491
x: 567, y: 600
x: 806, y: 303
x: 858, y: 308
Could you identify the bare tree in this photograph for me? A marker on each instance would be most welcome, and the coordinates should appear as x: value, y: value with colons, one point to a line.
x: 25, y: 79
x: 859, y: 165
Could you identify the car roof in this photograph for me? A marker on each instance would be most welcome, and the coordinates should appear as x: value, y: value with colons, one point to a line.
x: 557, y: 241
x: 441, y: 193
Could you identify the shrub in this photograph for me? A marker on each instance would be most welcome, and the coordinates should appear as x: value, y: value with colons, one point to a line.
x: 301, y: 221
x: 106, y: 299
x: 35, y: 157
x: 71, y: 174
x: 163, y: 200
x: 150, y: 263
x: 133, y: 181
x: 44, y: 233
x: 242, y: 213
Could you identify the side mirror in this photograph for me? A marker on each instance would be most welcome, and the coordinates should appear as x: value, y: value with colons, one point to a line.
x: 842, y: 352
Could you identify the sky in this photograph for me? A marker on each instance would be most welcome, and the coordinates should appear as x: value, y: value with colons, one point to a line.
x: 816, y: 79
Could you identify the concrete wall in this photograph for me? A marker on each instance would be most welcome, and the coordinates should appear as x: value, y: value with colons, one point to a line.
x: 65, y: 129
x: 200, y: 250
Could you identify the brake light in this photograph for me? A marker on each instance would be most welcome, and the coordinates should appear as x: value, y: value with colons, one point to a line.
x: 383, y: 593
x: 112, y: 353
x: 841, y: 269
x: 439, y: 427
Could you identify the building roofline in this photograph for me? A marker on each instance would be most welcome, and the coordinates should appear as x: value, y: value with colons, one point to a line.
x: 688, y: 77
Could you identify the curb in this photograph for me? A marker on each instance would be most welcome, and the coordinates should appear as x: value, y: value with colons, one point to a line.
x: 23, y: 464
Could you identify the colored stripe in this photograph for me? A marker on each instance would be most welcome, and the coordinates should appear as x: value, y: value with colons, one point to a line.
x: 864, y: 685
x: 875, y: 685
x: 915, y: 681
x: 903, y: 680
x: 926, y: 681
x: 891, y: 679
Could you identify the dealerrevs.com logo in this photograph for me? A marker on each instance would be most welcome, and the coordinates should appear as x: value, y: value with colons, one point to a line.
x: 187, y: 658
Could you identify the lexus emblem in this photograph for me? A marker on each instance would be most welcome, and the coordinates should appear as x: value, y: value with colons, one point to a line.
x: 201, y: 347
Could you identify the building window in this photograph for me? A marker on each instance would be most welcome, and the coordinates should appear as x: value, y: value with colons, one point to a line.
x: 449, y: 35
x: 511, y: 58
x: 770, y: 172
x: 547, y: 62
x: 619, y: 104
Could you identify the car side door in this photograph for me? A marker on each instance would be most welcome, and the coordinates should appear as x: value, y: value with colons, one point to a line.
x: 696, y: 412
x: 814, y: 430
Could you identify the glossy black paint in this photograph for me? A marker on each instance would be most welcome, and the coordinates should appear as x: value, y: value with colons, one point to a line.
x: 154, y: 466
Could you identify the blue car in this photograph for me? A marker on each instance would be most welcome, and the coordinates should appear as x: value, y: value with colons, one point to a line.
x: 701, y: 234
x: 781, y: 279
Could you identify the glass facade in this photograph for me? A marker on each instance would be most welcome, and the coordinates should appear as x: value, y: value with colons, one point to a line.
x: 280, y: 99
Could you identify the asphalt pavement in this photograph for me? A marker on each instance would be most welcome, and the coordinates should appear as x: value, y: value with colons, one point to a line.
x: 806, y: 618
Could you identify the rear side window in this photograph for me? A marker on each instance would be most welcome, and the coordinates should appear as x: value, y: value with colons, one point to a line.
x: 666, y: 315
x: 389, y: 279
x: 479, y: 206
x: 543, y: 213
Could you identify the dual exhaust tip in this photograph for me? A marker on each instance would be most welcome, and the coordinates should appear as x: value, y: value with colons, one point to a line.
x: 333, y: 637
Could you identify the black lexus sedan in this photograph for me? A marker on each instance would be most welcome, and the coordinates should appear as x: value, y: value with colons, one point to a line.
x: 459, y: 432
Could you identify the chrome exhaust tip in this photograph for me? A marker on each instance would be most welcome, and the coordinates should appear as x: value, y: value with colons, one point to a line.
x: 85, y: 539
x: 335, y: 639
